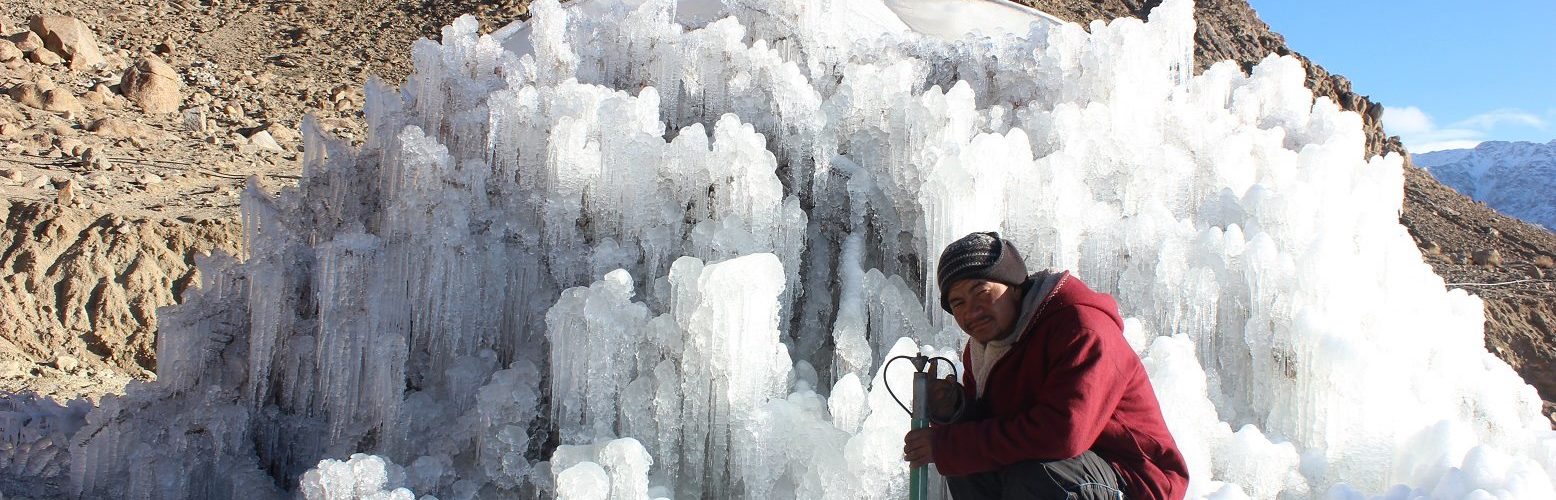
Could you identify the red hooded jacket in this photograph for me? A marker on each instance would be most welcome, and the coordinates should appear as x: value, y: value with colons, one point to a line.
x: 1071, y: 383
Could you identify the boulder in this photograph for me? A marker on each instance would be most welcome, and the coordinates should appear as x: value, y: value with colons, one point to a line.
x: 95, y: 160
x: 195, y: 120
x: 27, y: 41
x: 68, y: 37
x: 1488, y: 257
x: 45, y: 83
x: 28, y: 94
x: 115, y: 128
x: 39, y: 182
x: 102, y: 95
x: 8, y: 51
x: 66, y: 363
x: 45, y: 96
x: 153, y: 85
x: 44, y: 57
x: 94, y: 97
x: 283, y: 135
x: 101, y: 181
x: 263, y: 140
x: 66, y: 194
x: 60, y: 100
x: 70, y: 145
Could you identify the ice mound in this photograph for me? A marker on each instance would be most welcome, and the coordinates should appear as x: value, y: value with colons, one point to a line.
x: 647, y: 248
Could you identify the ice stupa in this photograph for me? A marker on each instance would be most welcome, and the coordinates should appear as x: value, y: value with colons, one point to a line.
x: 641, y: 248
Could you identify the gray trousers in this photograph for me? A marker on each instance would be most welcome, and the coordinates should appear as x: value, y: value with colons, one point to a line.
x: 1086, y: 477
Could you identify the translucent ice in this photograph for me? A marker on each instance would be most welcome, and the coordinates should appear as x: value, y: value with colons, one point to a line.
x: 638, y: 248
x: 363, y: 477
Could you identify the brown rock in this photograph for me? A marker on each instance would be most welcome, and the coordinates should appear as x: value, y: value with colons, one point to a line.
x: 39, y: 182
x: 195, y: 121
x: 67, y: 194
x: 8, y: 51
x: 1488, y: 257
x: 28, y: 94
x: 107, y: 96
x: 68, y: 37
x: 283, y: 134
x: 115, y: 128
x: 71, y: 146
x: 45, y: 83
x: 44, y: 57
x: 61, y: 100
x: 66, y: 363
x: 153, y: 85
x: 94, y: 97
x: 166, y: 47
x: 96, y: 160
x: 101, y: 181
x: 27, y: 41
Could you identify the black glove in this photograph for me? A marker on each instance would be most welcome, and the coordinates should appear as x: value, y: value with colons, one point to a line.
x: 945, y: 397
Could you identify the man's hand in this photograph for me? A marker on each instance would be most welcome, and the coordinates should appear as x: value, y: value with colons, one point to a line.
x: 945, y: 395
x: 918, y: 448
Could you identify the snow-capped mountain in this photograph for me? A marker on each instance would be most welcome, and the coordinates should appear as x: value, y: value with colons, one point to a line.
x: 1515, y: 178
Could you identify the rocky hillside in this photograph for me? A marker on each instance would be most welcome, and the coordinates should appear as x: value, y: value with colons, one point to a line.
x: 117, y: 169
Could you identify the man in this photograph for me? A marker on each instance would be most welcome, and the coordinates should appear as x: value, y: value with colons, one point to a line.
x: 1057, y: 403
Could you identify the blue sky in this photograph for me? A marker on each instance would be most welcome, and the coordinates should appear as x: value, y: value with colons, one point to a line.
x: 1450, y: 74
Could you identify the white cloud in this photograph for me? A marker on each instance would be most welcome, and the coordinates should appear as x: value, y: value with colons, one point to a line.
x: 1406, y: 120
x: 1427, y: 147
x: 1491, y: 119
x: 1421, y: 134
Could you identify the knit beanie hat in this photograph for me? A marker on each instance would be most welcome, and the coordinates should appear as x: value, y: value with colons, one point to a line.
x: 979, y: 255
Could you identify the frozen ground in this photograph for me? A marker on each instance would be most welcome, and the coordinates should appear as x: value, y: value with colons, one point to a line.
x: 682, y: 254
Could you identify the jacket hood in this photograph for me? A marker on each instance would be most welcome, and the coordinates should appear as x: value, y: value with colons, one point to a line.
x: 1070, y: 292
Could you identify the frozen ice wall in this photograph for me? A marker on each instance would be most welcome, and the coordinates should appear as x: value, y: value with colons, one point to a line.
x: 643, y: 249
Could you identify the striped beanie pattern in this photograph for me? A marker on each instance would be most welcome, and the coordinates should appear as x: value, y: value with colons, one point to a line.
x: 982, y: 256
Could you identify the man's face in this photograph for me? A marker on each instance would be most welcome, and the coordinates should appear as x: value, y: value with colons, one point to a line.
x: 986, y: 310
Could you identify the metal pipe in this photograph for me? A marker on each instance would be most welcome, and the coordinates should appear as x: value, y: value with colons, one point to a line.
x: 918, y: 481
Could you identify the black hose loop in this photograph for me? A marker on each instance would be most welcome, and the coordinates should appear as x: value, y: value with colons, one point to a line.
x: 961, y: 399
x: 886, y: 381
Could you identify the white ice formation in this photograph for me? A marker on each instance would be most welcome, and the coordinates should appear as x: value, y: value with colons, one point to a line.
x: 627, y: 250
